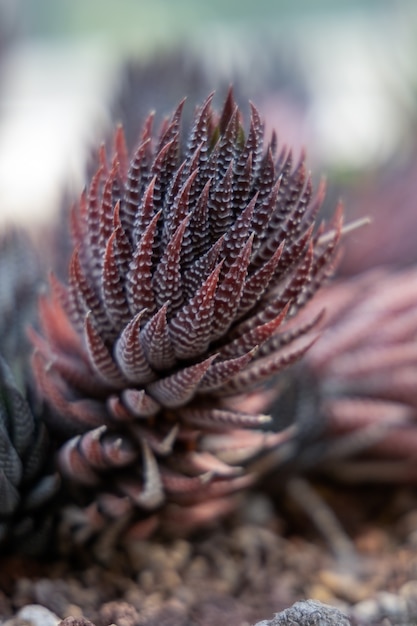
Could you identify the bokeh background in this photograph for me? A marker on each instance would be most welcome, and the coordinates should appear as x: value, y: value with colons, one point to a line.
x: 339, y: 77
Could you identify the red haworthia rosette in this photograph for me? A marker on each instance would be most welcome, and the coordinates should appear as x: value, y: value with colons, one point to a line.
x: 365, y: 365
x: 188, y: 262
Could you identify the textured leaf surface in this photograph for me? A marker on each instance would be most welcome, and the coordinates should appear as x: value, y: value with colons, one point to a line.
x: 191, y: 257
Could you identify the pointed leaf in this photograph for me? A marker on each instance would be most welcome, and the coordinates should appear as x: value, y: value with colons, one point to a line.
x: 139, y: 290
x: 156, y: 341
x: 177, y: 389
x: 220, y: 373
x: 114, y: 299
x: 129, y: 353
x: 229, y: 291
x: 220, y: 418
x: 140, y: 403
x: 100, y: 357
x: 166, y: 281
x: 190, y: 329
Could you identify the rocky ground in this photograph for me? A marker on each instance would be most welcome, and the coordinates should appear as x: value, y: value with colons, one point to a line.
x: 246, y: 570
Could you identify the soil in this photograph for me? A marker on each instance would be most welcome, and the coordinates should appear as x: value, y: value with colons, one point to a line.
x: 251, y: 566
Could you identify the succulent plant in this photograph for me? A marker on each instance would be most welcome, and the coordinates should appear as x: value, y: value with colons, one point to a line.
x: 364, y: 369
x: 27, y: 480
x: 191, y: 260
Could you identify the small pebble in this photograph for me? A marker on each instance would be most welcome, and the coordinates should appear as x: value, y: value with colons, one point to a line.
x: 391, y: 604
x: 38, y: 615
